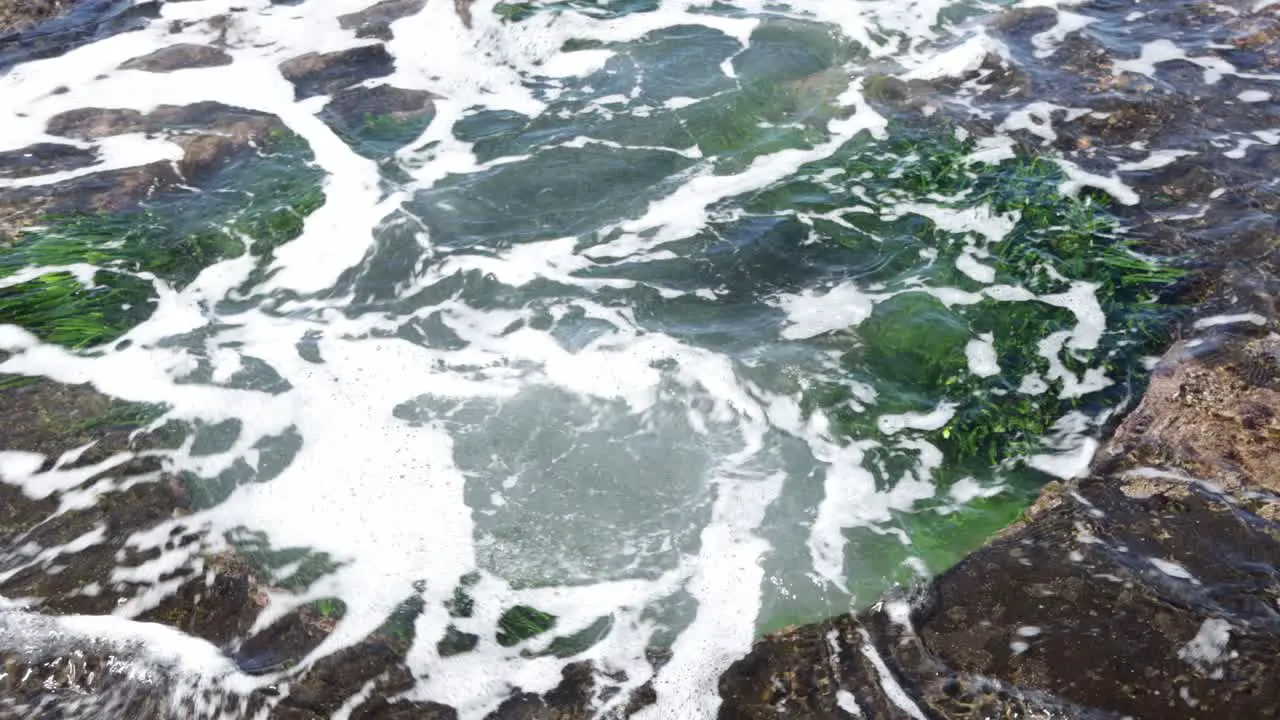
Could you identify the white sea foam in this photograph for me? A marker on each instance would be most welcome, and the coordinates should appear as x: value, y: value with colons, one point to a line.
x: 386, y: 497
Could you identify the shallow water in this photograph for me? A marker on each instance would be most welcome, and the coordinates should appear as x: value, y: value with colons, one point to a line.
x: 627, y: 334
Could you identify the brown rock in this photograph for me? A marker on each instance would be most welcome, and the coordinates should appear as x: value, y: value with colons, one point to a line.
x: 178, y: 57
x: 375, y: 21
x: 107, y: 191
x: 94, y: 123
x: 1212, y: 412
x: 210, y: 133
x: 324, y: 74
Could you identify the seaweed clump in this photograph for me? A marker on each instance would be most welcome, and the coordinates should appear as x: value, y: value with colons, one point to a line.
x: 964, y: 248
x: 82, y: 279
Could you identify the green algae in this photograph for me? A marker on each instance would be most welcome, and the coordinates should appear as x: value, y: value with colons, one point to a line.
x: 912, y: 347
x: 522, y: 622
x: 253, y: 205
x: 58, y: 308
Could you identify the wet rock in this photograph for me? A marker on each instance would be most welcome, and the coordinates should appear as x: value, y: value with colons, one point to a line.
x: 179, y: 57
x: 572, y: 698
x: 284, y: 642
x: 1212, y: 411
x: 1123, y: 578
x: 50, y: 419
x: 44, y: 159
x: 1156, y: 576
x: 357, y: 105
x: 46, y: 28
x: 219, y: 605
x: 94, y: 123
x: 18, y: 16
x: 375, y: 21
x: 380, y: 709
x: 102, y: 192
x: 325, y: 74
x: 334, y: 679
x: 211, y: 135
x: 380, y: 119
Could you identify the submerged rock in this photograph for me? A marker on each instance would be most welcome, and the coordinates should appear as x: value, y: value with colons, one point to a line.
x: 380, y: 118
x: 359, y: 105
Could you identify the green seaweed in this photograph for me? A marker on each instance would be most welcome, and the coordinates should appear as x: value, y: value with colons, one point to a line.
x: 912, y: 346
x: 58, y: 308
x: 256, y: 204
x: 521, y: 623
x: 329, y: 608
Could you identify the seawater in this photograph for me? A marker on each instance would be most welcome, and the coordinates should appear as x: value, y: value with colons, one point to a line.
x: 554, y: 353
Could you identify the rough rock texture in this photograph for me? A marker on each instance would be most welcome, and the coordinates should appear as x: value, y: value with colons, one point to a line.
x: 44, y: 158
x: 326, y: 73
x: 375, y: 20
x: 1148, y: 589
x: 18, y: 15
x: 211, y: 135
x: 178, y: 57
x: 357, y: 105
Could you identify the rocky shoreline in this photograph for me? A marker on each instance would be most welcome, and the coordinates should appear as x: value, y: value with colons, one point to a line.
x: 1147, y: 589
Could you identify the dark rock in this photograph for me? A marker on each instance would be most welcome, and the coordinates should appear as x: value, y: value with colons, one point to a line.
x: 572, y: 698
x: 1160, y: 589
x: 325, y: 74
x: 178, y: 57
x: 283, y: 643
x: 375, y: 21
x: 334, y: 679
x: 357, y: 105
x: 44, y: 159
x: 219, y: 606
x: 46, y: 28
x: 380, y: 709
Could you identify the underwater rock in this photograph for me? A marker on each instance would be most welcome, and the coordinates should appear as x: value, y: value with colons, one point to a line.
x: 358, y: 105
x: 326, y: 73
x: 178, y: 57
